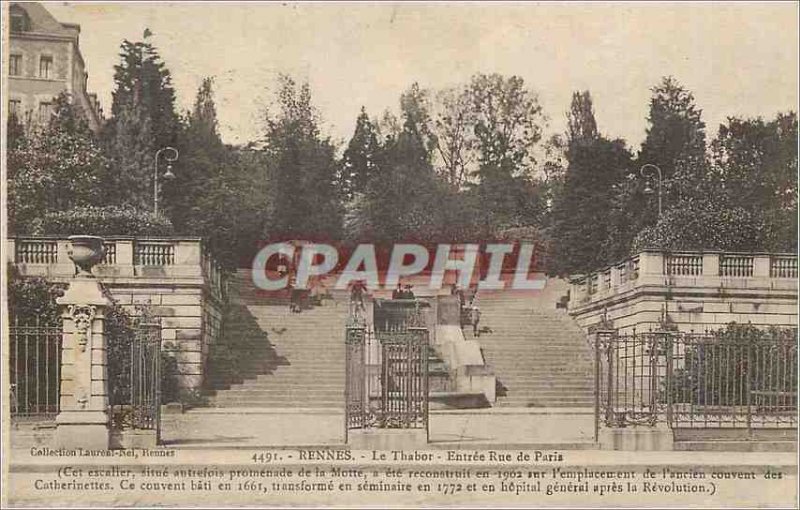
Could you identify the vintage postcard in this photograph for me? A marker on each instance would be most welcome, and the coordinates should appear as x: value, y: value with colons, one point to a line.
x: 411, y: 254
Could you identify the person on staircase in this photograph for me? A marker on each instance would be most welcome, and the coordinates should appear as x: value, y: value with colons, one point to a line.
x: 357, y: 290
x: 475, y: 318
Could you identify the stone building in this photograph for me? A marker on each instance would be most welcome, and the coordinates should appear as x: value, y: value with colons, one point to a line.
x: 44, y: 60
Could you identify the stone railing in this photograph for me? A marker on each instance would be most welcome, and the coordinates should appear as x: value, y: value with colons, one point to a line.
x: 686, y: 269
x: 125, y: 257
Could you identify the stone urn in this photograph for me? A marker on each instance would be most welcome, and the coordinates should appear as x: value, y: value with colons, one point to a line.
x: 85, y: 252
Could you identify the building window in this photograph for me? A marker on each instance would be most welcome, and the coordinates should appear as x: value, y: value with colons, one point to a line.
x: 14, y: 65
x: 45, y: 110
x: 14, y: 108
x: 45, y: 67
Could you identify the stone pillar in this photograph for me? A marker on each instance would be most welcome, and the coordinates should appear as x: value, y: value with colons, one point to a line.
x: 83, y: 419
x: 711, y: 264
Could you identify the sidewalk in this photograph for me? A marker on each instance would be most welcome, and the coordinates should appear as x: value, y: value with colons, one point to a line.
x: 494, y: 428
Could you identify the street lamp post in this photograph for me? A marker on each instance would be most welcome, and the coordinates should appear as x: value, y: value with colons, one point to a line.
x: 171, y: 157
x: 648, y: 171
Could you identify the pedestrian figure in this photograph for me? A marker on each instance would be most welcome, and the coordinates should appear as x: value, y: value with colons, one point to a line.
x: 397, y: 293
x: 357, y: 290
x: 295, y: 295
x: 475, y: 319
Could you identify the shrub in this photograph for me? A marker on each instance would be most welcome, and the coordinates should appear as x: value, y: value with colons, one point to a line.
x: 104, y: 221
x: 31, y: 299
x: 697, y: 226
x: 741, y: 358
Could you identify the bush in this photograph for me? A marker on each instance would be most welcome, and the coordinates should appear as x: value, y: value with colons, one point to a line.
x: 740, y: 359
x: 104, y: 221
x: 701, y: 226
x: 31, y: 299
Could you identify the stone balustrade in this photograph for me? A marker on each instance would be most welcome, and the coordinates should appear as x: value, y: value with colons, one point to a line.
x: 692, y: 288
x: 150, y: 257
x: 176, y: 277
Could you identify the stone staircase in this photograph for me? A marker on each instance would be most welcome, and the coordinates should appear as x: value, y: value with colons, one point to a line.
x: 539, y: 356
x: 269, y: 357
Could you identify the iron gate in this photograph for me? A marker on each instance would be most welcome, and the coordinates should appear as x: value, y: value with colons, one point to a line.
x: 386, y: 374
x: 135, y: 381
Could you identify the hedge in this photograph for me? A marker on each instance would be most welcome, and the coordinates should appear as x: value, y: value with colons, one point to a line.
x: 104, y: 221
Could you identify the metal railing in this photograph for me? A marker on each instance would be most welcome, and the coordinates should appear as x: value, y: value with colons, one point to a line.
x: 35, y: 369
x: 697, y: 380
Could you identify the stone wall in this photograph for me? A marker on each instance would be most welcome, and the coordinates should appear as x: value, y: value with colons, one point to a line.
x: 694, y: 291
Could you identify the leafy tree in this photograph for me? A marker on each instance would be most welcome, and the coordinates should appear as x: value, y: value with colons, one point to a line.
x: 55, y: 168
x: 216, y: 186
x: 304, y: 199
x: 507, y: 124
x: 756, y: 164
x: 455, y: 136
x: 581, y: 217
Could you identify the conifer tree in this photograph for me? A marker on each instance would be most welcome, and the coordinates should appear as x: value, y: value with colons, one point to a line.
x: 143, y: 119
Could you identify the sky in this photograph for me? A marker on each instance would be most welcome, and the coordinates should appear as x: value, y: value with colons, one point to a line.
x: 737, y: 58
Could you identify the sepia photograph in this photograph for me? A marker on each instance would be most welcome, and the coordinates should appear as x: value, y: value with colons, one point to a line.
x: 399, y: 254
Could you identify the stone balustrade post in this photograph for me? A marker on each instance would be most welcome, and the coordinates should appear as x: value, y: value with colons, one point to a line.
x: 710, y: 264
x: 651, y: 263
x: 12, y: 250
x: 124, y: 252
x: 188, y: 253
x: 62, y: 253
x: 761, y: 266
x: 83, y: 419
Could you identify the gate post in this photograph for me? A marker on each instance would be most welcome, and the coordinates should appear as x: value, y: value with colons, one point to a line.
x: 83, y: 419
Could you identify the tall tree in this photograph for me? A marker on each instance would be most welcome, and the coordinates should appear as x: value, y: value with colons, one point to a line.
x: 507, y: 123
x: 581, y: 218
x: 755, y: 162
x: 581, y: 124
x: 455, y: 136
x: 676, y: 131
x: 143, y: 118
x: 305, y: 201
x: 360, y: 159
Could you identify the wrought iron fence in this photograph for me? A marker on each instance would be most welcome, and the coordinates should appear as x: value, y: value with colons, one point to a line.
x: 736, y: 379
x: 135, y: 381
x: 35, y: 369
x: 387, y: 370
